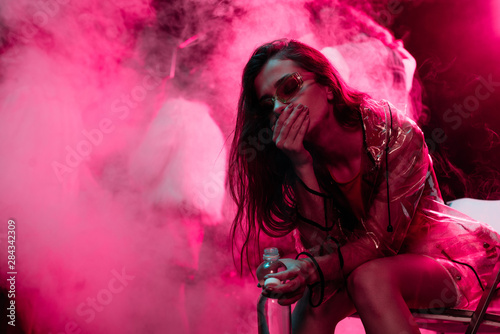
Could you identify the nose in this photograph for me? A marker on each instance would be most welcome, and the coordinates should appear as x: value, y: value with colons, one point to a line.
x: 277, y: 111
x: 279, y: 107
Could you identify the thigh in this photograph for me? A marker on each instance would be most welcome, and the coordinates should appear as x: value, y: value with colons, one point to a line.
x: 421, y: 281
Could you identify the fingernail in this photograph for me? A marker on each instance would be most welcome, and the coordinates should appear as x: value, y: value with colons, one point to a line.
x: 300, y: 106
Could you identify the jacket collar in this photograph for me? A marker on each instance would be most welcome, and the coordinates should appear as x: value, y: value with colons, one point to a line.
x: 374, y: 118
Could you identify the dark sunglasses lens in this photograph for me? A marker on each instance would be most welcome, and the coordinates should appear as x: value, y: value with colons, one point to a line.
x: 288, y: 89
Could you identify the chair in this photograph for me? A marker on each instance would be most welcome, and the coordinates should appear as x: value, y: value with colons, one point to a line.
x: 466, y: 321
x: 481, y: 320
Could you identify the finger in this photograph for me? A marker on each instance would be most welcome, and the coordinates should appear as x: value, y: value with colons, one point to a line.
x: 292, y: 298
x: 288, y: 287
x: 282, y: 294
x: 283, y: 275
x: 287, y: 290
x: 281, y: 120
x: 299, y: 127
x: 287, y: 298
x: 289, y: 122
x: 303, y: 129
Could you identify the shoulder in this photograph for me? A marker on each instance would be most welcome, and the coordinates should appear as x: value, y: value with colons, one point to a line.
x: 384, y: 124
x: 382, y: 114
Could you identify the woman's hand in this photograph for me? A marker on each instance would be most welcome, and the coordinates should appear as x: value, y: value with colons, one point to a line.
x: 296, y: 277
x: 289, y: 132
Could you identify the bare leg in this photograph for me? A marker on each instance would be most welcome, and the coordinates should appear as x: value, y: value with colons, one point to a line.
x: 383, y: 290
x: 324, y: 318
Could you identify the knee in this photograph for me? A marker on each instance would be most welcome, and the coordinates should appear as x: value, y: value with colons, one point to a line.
x: 369, y: 282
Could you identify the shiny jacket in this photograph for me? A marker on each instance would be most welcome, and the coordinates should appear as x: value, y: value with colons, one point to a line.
x: 397, y: 157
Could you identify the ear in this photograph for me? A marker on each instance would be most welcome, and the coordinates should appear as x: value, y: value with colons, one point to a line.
x: 329, y: 93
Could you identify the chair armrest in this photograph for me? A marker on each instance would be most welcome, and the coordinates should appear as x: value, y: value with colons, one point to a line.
x: 478, y: 315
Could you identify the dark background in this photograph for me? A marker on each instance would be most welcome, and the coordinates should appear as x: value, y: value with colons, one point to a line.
x: 456, y: 47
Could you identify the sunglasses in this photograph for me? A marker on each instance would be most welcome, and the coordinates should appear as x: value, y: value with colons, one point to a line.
x: 287, y: 89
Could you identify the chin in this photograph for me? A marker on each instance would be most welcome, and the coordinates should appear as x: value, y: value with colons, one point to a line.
x: 311, y: 134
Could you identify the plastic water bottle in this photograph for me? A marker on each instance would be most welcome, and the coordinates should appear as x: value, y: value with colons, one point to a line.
x: 273, y: 318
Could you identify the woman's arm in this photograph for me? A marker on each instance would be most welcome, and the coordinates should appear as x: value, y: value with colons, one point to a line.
x: 408, y: 167
x: 288, y: 135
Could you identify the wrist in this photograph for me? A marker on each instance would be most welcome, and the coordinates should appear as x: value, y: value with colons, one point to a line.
x: 311, y: 273
x: 314, y: 276
x: 305, y: 169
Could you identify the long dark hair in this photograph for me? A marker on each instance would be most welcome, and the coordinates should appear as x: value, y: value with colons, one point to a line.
x: 261, y: 176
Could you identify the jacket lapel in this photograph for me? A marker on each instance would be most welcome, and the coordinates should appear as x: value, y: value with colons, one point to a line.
x: 374, y: 125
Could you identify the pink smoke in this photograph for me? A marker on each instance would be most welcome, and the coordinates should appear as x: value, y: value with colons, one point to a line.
x: 115, y: 119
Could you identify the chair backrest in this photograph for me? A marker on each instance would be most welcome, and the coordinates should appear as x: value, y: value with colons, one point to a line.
x: 482, y: 210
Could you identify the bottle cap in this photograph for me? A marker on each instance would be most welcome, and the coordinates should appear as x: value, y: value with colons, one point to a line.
x: 271, y: 281
x: 271, y: 253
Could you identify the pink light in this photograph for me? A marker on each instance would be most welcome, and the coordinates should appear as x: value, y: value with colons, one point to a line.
x: 173, y: 64
x: 495, y: 13
x: 188, y: 41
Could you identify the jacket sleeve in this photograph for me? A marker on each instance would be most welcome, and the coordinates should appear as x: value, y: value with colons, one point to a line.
x: 397, y: 195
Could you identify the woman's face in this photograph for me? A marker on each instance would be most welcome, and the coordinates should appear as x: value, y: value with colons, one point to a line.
x: 311, y: 94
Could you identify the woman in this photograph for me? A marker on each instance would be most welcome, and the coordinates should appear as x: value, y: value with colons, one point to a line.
x: 352, y: 177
